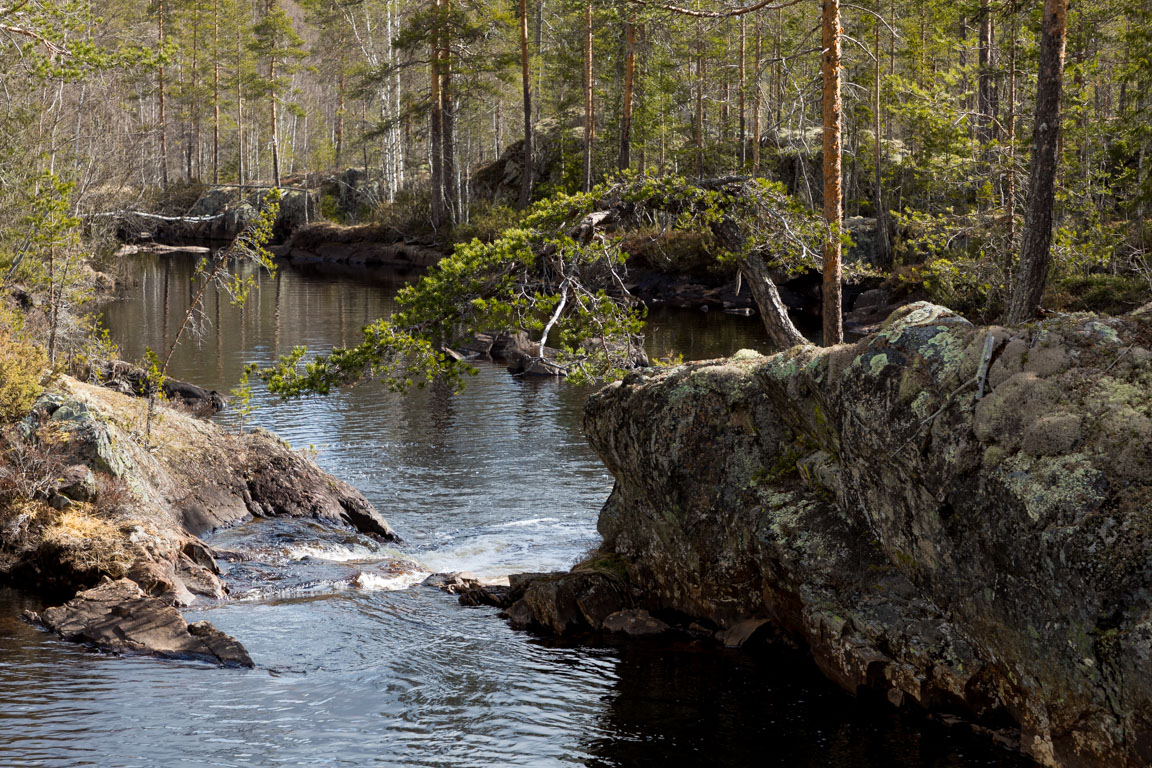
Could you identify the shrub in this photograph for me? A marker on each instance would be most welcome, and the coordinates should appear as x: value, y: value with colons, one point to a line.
x: 21, y: 366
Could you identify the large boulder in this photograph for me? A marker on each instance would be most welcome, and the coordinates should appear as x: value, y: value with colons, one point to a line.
x: 953, y: 515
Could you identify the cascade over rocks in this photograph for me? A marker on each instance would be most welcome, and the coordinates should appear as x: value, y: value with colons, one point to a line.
x: 956, y: 516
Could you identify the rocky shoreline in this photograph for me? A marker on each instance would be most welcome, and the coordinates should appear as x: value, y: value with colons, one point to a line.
x: 955, y: 517
x: 115, y: 517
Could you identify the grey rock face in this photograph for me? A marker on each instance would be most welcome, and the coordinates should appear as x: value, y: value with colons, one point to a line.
x: 985, y: 556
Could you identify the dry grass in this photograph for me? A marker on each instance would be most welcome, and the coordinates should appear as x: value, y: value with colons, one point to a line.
x: 91, y: 543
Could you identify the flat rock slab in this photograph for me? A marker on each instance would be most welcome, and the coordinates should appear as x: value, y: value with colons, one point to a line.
x: 118, y: 616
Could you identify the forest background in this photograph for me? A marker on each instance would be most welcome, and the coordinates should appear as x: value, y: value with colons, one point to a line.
x: 109, y: 104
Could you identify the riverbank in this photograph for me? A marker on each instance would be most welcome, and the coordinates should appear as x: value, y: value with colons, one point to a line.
x: 110, y: 503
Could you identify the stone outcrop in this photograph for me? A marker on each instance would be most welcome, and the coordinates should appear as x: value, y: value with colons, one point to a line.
x: 117, y: 616
x: 110, y: 502
x: 956, y: 516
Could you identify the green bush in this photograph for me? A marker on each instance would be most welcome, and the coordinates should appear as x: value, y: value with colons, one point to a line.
x: 21, y: 366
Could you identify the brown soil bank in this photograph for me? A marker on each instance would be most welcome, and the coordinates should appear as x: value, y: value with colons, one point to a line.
x: 91, y: 498
x: 979, y: 544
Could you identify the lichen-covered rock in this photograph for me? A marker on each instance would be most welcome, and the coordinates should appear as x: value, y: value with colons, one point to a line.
x: 969, y: 531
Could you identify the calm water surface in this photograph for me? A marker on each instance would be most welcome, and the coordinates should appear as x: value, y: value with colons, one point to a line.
x: 357, y: 663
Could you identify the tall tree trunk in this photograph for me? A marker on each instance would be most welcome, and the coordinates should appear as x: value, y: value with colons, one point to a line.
x: 1035, y: 249
x: 447, y: 114
x: 198, y: 167
x: 239, y: 108
x: 539, y: 60
x: 163, y: 112
x: 833, y: 205
x: 625, y: 158
x: 883, y: 252
x: 986, y: 104
x: 526, y: 83
x: 215, y: 91
x: 1010, y: 184
x: 698, y: 122
x: 589, y: 114
x: 436, y: 137
x: 743, y: 155
x: 436, y: 130
x: 272, y: 120
x: 756, y: 101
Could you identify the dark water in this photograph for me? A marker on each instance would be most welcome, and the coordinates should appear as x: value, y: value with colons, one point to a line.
x: 357, y: 665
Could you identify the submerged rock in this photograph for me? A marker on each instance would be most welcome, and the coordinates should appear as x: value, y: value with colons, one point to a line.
x: 117, y: 616
x: 953, y: 521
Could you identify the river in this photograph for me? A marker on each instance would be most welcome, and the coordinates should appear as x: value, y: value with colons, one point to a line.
x: 358, y: 664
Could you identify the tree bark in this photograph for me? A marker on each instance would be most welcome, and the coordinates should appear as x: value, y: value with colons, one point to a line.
x: 589, y: 116
x: 526, y: 77
x: 781, y: 332
x: 272, y: 108
x: 239, y: 108
x: 756, y: 101
x: 163, y: 113
x: 987, y: 84
x: 436, y: 130
x: 833, y: 205
x: 743, y: 154
x: 1037, y: 239
x: 215, y: 91
x: 883, y: 252
x: 1010, y: 184
x: 625, y: 158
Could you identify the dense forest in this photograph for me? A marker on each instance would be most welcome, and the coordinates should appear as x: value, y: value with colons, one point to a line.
x: 127, y: 100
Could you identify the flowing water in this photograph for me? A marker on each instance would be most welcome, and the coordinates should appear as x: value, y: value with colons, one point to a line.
x: 357, y: 664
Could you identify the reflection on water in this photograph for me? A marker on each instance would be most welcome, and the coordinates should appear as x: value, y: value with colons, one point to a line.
x: 356, y: 666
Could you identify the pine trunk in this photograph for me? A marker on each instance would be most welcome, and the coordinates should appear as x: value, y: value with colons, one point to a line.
x: 526, y: 83
x: 589, y: 115
x: 1037, y: 239
x: 625, y: 158
x: 833, y: 205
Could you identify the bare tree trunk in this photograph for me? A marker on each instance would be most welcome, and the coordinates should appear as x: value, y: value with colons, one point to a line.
x: 987, y: 82
x: 1035, y: 249
x: 215, y: 91
x: 239, y: 109
x: 743, y: 155
x: 781, y: 332
x: 272, y: 116
x: 883, y: 252
x: 756, y: 101
x: 447, y: 114
x: 436, y: 131
x: 589, y: 115
x: 1010, y: 191
x: 198, y: 171
x: 625, y: 158
x: 341, y: 91
x: 526, y: 83
x: 833, y: 205
x: 163, y: 113
x: 698, y: 127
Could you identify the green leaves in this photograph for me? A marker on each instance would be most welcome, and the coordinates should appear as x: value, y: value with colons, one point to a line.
x: 559, y: 277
